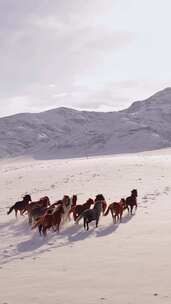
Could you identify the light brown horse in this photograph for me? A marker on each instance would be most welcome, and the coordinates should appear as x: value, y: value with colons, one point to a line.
x: 116, y: 210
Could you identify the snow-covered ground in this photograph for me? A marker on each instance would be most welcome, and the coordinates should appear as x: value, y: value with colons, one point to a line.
x: 127, y: 263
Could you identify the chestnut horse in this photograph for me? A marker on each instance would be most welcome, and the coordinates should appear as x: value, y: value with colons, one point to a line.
x: 21, y: 205
x: 66, y: 203
x: 131, y: 201
x: 50, y: 219
x: 116, y: 209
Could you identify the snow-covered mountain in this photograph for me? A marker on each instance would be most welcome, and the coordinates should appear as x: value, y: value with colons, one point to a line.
x: 64, y: 132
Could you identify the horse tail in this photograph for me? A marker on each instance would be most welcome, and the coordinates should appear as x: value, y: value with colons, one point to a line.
x: 107, y: 211
x: 11, y: 209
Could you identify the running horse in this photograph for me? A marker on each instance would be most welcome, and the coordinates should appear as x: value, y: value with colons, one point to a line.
x: 51, y: 219
x: 116, y: 210
x: 54, y: 216
x: 131, y: 201
x: 93, y: 214
x: 78, y: 209
x: 20, y: 205
x: 66, y: 204
x: 103, y: 201
x: 37, y: 208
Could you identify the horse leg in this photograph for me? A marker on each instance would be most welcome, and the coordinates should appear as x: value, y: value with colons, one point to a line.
x: 40, y: 229
x: 57, y: 227
x: 112, y: 215
x: 54, y: 228
x: 16, y: 213
x: 131, y: 209
x: 58, y: 224
x: 44, y: 231
x: 69, y: 217
x: 75, y: 215
x: 87, y: 226
x: 84, y: 223
x: 21, y: 213
x: 115, y: 218
x: 30, y: 219
x: 97, y: 221
x: 121, y: 216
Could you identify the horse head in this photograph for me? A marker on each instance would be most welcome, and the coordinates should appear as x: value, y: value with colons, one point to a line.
x: 90, y: 201
x: 99, y: 197
x: 74, y: 200
x: 27, y: 198
x: 134, y: 192
x: 66, y: 201
x: 45, y: 200
x: 123, y: 200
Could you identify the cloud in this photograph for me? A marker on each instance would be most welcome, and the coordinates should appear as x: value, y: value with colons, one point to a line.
x: 83, y: 54
x: 57, y: 42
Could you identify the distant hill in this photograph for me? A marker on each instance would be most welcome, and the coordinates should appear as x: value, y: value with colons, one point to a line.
x: 63, y: 132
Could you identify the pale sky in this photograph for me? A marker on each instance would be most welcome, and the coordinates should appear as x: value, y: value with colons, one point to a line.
x: 85, y: 54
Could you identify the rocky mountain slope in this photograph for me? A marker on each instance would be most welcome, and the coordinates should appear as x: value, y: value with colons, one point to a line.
x: 63, y: 132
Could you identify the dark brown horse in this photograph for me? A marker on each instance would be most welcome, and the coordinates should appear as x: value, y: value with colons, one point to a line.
x: 116, y: 209
x: 21, y: 205
x: 37, y: 208
x: 78, y: 209
x: 131, y: 201
x: 74, y: 200
x: 101, y: 198
x: 42, y: 202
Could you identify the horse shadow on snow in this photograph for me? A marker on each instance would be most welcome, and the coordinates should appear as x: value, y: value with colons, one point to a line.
x: 36, y: 245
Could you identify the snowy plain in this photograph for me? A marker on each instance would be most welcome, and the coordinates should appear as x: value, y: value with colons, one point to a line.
x: 125, y: 263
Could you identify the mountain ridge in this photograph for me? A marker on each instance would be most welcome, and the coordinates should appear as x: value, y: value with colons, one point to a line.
x: 66, y: 132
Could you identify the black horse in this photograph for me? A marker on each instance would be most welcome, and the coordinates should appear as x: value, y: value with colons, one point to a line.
x: 21, y: 205
x: 90, y: 215
x: 131, y: 201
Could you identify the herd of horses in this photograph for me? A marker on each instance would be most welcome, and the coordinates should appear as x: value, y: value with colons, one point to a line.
x: 43, y: 215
